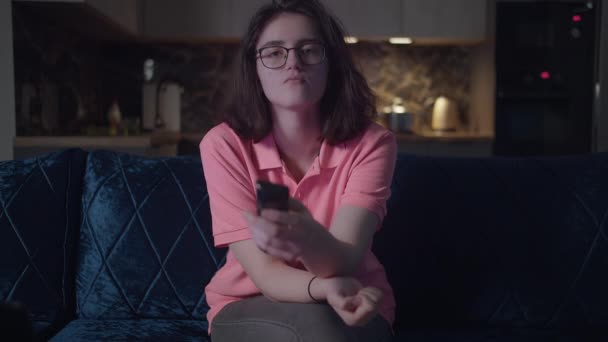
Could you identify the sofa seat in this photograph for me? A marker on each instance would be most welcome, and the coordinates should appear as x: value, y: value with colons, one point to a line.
x: 499, y: 335
x: 128, y: 330
x: 476, y: 249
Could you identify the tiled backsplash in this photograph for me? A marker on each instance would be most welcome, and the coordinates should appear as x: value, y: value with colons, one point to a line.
x: 80, y: 77
x: 417, y: 74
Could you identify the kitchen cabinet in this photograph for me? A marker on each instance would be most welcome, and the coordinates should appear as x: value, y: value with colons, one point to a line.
x: 107, y: 19
x: 187, y: 19
x: 444, y: 21
x: 460, y: 149
x: 242, y: 11
x: 124, y: 13
x: 423, y: 20
x: 426, y: 21
x: 198, y: 19
x: 368, y: 19
x: 448, y: 144
x: 446, y: 149
x: 158, y: 144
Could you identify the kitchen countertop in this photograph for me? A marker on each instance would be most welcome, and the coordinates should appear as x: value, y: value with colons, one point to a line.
x: 161, y: 138
x: 133, y: 141
x: 438, y: 136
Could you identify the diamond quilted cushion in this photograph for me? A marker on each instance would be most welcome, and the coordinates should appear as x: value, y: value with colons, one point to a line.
x: 134, y: 330
x: 499, y: 242
x: 146, y: 247
x: 39, y: 218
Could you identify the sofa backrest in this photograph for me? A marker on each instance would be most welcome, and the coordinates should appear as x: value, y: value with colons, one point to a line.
x: 39, y: 217
x: 498, y: 242
x: 146, y: 249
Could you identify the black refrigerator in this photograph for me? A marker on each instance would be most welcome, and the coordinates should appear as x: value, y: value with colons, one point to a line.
x: 545, y: 77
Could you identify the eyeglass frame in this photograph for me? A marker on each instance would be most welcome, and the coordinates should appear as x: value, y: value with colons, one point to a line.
x: 259, y: 54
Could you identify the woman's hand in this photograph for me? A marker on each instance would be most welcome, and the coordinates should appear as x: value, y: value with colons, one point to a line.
x: 355, y: 304
x: 283, y: 234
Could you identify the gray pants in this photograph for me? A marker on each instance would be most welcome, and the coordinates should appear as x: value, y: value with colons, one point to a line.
x: 259, y: 319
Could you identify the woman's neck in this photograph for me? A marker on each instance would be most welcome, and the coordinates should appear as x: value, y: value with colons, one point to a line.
x: 296, y: 133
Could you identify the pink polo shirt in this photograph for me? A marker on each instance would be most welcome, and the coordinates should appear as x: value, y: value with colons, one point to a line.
x: 357, y: 172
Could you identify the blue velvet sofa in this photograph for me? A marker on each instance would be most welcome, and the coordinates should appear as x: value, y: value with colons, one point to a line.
x: 109, y: 246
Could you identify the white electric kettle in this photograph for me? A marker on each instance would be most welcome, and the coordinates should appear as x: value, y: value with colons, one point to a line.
x: 445, y: 115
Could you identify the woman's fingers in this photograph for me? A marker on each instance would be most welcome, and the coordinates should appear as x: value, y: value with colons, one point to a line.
x: 359, y: 309
x: 365, y: 311
x: 351, y: 303
x: 268, y: 237
x: 296, y: 205
x: 373, y: 294
x: 280, y: 254
x: 280, y: 216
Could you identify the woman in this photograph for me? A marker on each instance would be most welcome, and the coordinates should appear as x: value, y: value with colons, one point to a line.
x: 301, y: 117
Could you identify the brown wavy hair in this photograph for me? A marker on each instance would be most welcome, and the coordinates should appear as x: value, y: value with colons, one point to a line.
x: 348, y: 104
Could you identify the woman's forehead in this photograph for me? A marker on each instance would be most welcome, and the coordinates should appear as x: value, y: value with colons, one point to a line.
x: 288, y: 28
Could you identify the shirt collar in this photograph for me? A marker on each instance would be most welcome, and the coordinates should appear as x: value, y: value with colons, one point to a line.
x: 267, y: 154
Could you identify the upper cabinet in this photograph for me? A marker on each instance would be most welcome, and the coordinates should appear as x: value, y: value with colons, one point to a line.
x: 241, y: 14
x: 427, y: 21
x: 125, y: 13
x: 368, y: 19
x: 444, y: 20
x: 187, y: 19
x: 103, y: 19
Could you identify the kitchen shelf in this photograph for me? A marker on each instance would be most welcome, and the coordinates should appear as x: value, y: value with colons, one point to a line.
x: 438, y: 136
x: 154, y: 144
x: 453, y: 144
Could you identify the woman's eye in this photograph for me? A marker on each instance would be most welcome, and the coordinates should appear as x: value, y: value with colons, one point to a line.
x: 273, y: 53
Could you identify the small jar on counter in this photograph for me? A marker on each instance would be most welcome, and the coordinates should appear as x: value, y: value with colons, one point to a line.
x: 401, y: 121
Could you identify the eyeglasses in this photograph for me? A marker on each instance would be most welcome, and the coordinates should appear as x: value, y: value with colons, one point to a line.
x: 275, y: 57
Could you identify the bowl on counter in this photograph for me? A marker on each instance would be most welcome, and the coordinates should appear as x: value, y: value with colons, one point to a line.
x: 403, y: 122
x: 399, y: 119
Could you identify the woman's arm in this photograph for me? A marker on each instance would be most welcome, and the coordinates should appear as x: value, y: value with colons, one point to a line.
x: 296, y: 236
x: 275, y: 279
x: 355, y: 304
x: 340, y: 251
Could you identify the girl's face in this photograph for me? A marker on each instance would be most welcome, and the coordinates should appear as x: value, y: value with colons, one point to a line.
x: 301, y: 81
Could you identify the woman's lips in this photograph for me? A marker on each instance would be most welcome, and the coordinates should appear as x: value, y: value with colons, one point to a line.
x: 295, y: 80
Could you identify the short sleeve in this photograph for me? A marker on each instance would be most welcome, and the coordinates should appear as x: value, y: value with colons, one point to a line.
x: 229, y: 186
x: 368, y: 185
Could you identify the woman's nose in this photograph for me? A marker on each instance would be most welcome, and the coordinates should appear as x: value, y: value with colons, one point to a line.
x: 293, y: 60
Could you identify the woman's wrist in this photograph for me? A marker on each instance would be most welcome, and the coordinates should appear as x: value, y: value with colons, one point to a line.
x: 317, y: 289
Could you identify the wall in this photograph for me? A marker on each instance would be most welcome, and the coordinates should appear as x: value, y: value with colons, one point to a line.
x: 602, y: 110
x: 483, y: 78
x: 417, y: 74
x: 7, y: 92
x: 90, y: 74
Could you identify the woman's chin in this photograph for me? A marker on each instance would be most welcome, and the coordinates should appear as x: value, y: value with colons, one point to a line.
x: 296, y: 105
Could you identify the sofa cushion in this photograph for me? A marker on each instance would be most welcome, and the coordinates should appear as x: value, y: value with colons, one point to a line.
x: 146, y: 249
x: 134, y: 330
x: 498, y: 335
x: 519, y: 242
x: 39, y: 217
